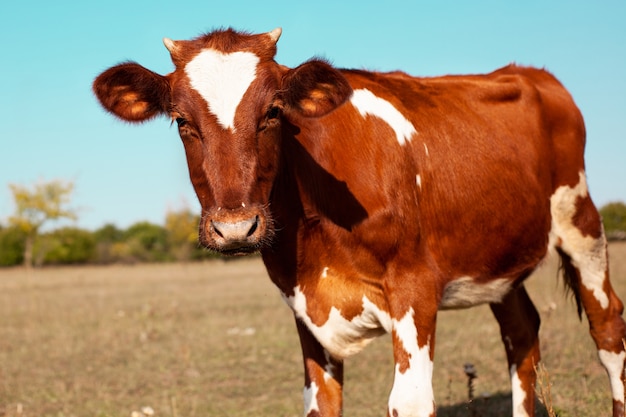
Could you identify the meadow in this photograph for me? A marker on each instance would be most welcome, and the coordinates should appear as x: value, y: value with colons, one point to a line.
x: 215, y: 339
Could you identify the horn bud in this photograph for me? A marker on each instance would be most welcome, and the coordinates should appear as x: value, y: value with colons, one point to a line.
x: 275, y: 34
x: 170, y: 45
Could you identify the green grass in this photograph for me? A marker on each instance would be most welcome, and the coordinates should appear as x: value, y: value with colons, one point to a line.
x: 215, y: 339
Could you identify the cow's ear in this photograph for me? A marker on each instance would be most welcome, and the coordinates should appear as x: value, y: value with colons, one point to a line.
x: 132, y: 92
x: 314, y: 88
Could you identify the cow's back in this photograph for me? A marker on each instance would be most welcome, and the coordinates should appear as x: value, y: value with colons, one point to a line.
x: 478, y: 171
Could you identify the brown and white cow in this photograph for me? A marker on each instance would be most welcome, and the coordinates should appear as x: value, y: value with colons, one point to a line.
x: 378, y: 199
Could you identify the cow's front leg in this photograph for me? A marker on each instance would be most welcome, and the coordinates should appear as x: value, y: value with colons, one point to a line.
x: 323, y: 377
x: 413, y: 335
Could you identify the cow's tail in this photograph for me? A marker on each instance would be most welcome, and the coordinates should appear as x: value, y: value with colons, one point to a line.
x: 571, y: 278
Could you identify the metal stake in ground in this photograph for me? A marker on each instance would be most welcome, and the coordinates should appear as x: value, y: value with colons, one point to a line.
x: 470, y: 371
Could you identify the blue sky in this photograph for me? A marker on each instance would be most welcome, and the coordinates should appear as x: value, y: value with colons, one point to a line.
x: 51, y: 127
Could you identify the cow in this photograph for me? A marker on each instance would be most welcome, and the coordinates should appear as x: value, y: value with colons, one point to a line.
x: 378, y: 199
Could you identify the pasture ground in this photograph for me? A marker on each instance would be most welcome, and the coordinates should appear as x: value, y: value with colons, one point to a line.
x: 215, y: 339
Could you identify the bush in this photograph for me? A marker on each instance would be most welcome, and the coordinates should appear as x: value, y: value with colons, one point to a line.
x: 146, y: 242
x: 12, y: 244
x: 182, y: 228
x: 68, y: 245
x: 107, y: 238
x: 614, y: 219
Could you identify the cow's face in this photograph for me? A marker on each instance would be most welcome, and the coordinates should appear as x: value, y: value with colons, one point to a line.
x: 222, y: 98
x: 229, y: 99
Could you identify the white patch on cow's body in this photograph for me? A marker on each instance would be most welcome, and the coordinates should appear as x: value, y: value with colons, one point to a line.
x: 324, y: 272
x: 310, y: 398
x: 614, y: 365
x: 368, y: 103
x: 587, y: 253
x: 222, y: 80
x: 466, y: 292
x: 339, y: 336
x: 518, y: 394
x: 412, y: 391
x: 418, y: 180
x: 329, y: 369
x: 426, y: 150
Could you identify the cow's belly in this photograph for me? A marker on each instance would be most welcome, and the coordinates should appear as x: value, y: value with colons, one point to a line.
x: 339, y: 336
x: 466, y: 292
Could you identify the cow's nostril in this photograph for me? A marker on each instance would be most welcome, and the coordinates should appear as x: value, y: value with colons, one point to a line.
x: 255, y: 225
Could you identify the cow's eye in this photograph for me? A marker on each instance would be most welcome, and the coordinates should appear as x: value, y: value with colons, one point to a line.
x: 273, y: 113
x: 181, y: 121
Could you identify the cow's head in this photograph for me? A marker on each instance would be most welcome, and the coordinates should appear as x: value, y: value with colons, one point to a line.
x: 231, y: 101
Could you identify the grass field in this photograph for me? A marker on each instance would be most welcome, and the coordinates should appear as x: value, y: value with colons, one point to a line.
x: 214, y: 339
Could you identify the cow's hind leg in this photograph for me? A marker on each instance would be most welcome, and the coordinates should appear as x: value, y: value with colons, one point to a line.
x: 519, y: 327
x: 580, y: 241
x: 589, y: 281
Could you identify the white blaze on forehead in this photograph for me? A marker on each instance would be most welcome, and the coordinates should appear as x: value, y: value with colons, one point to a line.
x: 412, y: 391
x: 367, y: 103
x: 222, y: 80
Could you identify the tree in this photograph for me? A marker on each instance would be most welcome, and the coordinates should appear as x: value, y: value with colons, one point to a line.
x: 614, y: 219
x: 37, y: 205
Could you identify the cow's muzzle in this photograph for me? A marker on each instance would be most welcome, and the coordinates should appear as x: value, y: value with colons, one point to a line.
x: 234, y: 232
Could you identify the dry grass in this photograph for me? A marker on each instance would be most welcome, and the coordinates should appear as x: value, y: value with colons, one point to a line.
x: 215, y: 339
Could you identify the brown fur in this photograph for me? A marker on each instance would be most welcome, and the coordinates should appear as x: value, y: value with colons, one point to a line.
x: 323, y: 188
